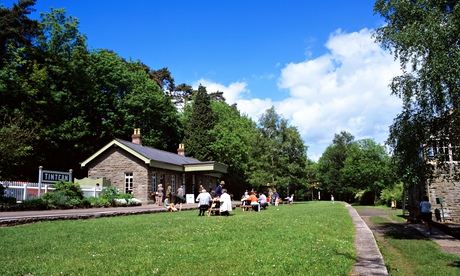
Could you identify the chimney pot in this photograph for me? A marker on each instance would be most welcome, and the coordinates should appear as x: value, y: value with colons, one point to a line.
x: 181, y: 150
x: 136, y: 137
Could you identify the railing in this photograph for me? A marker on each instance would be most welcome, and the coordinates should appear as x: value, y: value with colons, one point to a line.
x: 29, y: 190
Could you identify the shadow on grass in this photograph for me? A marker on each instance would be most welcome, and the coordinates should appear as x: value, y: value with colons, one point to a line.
x: 399, y: 231
x: 346, y: 255
x: 455, y: 264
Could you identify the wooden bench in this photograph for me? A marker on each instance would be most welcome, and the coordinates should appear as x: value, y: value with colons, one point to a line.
x: 246, y: 208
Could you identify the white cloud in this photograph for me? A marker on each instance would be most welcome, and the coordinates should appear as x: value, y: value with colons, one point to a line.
x: 232, y: 92
x: 344, y: 89
x: 347, y: 88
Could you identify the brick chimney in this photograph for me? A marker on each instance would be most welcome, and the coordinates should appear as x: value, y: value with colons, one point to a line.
x: 181, y: 150
x: 136, y: 137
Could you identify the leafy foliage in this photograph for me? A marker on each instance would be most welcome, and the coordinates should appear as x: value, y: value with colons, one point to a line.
x: 351, y: 169
x: 394, y: 192
x: 63, y: 102
x: 423, y: 36
x: 197, y: 130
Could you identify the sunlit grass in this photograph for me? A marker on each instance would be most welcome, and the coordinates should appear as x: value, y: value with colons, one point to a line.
x: 302, y: 239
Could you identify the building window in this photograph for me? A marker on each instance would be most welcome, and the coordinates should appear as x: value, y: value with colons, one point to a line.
x: 129, y: 183
x: 154, y: 182
x: 162, y: 180
x: 173, y: 183
x: 442, y: 150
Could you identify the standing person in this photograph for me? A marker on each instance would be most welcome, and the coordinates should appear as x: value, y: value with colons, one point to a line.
x: 159, y: 195
x: 169, y: 193
x: 276, y: 198
x: 203, y: 199
x: 219, y: 188
x: 225, y: 203
x: 425, y: 212
x: 332, y: 199
x: 180, y: 197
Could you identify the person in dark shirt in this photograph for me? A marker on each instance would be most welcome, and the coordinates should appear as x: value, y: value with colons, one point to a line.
x: 219, y: 187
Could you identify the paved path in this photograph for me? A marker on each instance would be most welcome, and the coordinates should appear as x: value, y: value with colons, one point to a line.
x: 446, y: 242
x: 369, y: 259
x: 21, y: 217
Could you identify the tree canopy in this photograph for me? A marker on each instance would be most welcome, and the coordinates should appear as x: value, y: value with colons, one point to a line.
x: 424, y: 36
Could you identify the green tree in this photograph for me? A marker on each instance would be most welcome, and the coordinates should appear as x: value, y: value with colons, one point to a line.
x: 233, y: 138
x: 424, y: 36
x: 367, y: 168
x: 330, y: 165
x: 16, y: 28
x: 279, y: 155
x: 198, y: 126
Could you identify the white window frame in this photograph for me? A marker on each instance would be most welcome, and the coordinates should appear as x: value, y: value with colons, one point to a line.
x: 129, y: 182
x: 154, y: 182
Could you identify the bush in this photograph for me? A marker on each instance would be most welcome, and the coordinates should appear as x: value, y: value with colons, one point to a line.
x: 8, y: 200
x: 56, y: 200
x: 69, y: 189
x: 392, y: 193
x: 134, y: 202
x: 109, y: 193
x: 33, y: 204
x: 120, y: 202
x: 98, y: 202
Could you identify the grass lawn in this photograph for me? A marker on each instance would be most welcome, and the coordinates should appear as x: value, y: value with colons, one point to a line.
x: 314, y: 238
x: 406, y: 252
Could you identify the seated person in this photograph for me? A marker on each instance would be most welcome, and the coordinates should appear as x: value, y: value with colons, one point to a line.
x: 225, y: 203
x: 263, y: 201
x: 204, y: 199
x: 254, y: 201
x: 170, y: 207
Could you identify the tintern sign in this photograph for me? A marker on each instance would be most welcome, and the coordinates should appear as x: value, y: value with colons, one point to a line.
x: 50, y: 177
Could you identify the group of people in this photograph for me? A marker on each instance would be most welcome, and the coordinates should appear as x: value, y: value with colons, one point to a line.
x: 220, y: 199
x: 262, y: 201
x: 170, y: 201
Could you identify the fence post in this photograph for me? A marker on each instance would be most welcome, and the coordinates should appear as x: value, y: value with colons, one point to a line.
x: 40, y: 169
x: 46, y: 188
x: 24, y: 195
x: 94, y: 191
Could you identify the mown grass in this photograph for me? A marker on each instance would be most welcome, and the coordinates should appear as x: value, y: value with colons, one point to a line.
x: 407, y: 253
x: 314, y: 238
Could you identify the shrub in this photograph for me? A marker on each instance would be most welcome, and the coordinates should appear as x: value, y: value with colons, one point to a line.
x: 70, y: 189
x: 56, y: 200
x: 8, y: 200
x: 98, y: 202
x: 109, y: 193
x: 120, y: 202
x: 134, y: 202
x: 392, y: 193
x: 125, y: 196
x: 33, y: 204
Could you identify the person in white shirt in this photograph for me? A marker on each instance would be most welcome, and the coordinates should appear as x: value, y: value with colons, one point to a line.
x: 225, y: 203
x: 263, y: 201
x: 203, y: 199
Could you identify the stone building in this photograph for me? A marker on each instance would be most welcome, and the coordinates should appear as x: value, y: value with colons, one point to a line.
x: 443, y: 182
x: 137, y: 169
x: 443, y: 186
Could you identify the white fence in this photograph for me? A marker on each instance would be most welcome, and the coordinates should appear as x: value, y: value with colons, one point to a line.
x: 29, y: 190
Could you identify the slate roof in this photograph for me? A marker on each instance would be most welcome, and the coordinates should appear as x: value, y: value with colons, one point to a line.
x: 160, y: 155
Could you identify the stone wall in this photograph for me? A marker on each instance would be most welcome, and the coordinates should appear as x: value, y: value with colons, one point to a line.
x: 114, y: 163
x: 446, y: 184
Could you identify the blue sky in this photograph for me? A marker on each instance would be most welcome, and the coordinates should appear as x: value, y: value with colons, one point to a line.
x: 315, y: 61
